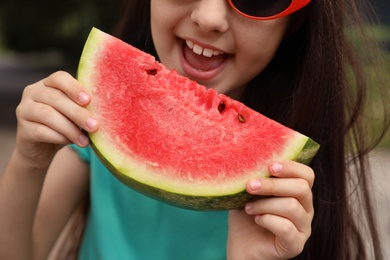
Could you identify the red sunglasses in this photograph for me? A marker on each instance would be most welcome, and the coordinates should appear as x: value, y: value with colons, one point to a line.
x: 266, y: 9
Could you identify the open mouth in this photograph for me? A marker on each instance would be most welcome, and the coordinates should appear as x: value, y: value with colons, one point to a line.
x: 203, y: 59
x: 202, y: 51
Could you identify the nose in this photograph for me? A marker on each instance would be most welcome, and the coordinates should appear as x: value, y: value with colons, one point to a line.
x: 211, y: 15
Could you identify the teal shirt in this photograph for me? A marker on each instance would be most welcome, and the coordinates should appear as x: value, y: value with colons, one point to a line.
x: 124, y: 224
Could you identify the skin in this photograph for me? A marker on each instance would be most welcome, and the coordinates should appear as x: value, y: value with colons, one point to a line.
x: 30, y: 189
x: 39, y: 182
x: 215, y: 25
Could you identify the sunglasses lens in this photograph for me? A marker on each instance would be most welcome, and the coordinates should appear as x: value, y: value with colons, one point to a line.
x: 261, y: 8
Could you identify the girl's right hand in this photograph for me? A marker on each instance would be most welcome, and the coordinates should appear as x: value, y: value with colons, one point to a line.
x: 50, y: 115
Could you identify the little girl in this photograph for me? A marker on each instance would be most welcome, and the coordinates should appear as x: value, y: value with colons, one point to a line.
x: 287, y: 59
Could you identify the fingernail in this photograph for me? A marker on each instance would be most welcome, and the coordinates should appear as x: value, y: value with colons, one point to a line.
x: 83, y: 97
x: 277, y: 167
x: 255, y: 184
x: 257, y: 218
x: 249, y: 206
x: 83, y: 140
x: 91, y: 123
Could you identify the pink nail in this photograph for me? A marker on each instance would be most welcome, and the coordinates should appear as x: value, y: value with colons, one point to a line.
x: 83, y: 140
x: 277, y: 167
x: 255, y: 184
x: 83, y: 97
x: 249, y: 206
x: 91, y: 123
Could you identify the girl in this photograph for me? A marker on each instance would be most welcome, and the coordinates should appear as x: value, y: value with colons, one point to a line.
x: 287, y: 60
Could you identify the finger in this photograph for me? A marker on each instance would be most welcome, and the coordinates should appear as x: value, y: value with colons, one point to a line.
x: 288, y: 241
x: 50, y: 126
x: 42, y: 133
x: 59, y: 101
x: 283, y: 187
x: 291, y: 169
x: 69, y: 85
x: 289, y: 208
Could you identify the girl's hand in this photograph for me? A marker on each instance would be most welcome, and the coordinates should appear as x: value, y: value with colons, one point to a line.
x: 50, y: 115
x: 278, y: 225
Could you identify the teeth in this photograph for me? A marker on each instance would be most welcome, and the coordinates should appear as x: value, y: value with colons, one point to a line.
x: 190, y: 44
x: 197, y: 49
x: 200, y: 50
x: 208, y: 52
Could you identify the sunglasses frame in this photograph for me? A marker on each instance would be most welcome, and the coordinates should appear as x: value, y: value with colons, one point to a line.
x: 293, y: 7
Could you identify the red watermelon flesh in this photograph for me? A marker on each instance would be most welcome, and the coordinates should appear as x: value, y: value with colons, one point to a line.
x: 171, y: 138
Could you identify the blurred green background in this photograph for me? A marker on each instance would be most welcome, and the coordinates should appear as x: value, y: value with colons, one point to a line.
x: 33, y: 26
x: 39, y: 37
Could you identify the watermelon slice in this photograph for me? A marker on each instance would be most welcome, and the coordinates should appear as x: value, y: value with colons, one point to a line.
x: 172, y: 139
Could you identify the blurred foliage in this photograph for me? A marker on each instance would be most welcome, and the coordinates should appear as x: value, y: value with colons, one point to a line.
x: 51, y: 24
x: 374, y: 53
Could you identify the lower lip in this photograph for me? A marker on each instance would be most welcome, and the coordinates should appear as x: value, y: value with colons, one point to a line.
x: 196, y: 74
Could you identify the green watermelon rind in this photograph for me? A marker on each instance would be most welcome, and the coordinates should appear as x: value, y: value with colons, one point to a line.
x: 199, y: 202
x: 143, y: 171
x: 309, y: 150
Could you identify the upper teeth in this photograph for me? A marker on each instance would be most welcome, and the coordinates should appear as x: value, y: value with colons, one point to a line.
x: 200, y: 50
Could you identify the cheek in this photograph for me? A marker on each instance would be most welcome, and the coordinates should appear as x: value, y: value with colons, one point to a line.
x: 156, y: 18
x: 161, y: 16
x: 259, y: 44
x: 163, y: 25
x: 159, y: 28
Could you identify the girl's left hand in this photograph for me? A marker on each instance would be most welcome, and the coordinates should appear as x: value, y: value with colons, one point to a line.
x: 278, y: 225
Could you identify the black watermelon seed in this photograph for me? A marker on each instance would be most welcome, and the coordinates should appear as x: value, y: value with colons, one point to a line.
x: 241, y: 118
x: 221, y: 107
x: 152, y: 72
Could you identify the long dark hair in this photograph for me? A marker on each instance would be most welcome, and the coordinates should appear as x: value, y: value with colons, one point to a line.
x: 307, y: 87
